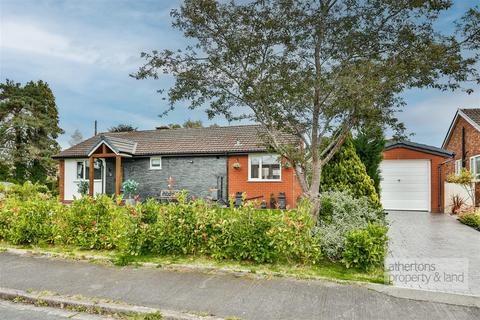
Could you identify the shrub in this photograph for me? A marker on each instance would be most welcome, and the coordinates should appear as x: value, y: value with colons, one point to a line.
x: 26, y: 214
x: 29, y: 216
x: 347, y: 172
x: 457, y: 203
x: 87, y: 223
x: 244, y: 233
x: 471, y: 219
x: 341, y: 213
x: 365, y: 248
x: 369, y: 145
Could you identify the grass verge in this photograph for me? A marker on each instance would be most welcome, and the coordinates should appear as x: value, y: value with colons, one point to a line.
x: 325, y: 269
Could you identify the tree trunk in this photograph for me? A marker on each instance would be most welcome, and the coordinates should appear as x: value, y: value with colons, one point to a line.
x: 314, y: 192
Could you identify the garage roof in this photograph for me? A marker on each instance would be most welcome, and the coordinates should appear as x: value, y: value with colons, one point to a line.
x: 419, y: 147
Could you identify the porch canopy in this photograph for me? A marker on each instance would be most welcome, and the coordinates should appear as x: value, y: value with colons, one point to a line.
x: 110, y: 147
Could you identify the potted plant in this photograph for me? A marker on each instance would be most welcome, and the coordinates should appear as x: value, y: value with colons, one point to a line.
x: 129, y: 189
x: 273, y: 203
x: 82, y: 187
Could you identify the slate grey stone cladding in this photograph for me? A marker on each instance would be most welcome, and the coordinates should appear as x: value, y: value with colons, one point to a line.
x: 197, y: 174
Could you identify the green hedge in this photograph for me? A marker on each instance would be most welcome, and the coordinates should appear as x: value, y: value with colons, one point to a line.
x: 195, y: 228
x: 30, y: 215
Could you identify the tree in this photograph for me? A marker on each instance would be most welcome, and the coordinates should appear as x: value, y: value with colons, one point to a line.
x: 369, y: 145
x: 187, y: 124
x: 122, y: 128
x: 347, y: 172
x: 75, y: 138
x: 193, y: 124
x: 28, y: 130
x: 312, y: 69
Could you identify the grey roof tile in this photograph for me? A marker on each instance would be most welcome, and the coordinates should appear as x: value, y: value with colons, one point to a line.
x: 210, y: 140
x: 473, y: 114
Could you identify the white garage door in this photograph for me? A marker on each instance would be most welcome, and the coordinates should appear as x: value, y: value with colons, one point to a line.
x: 405, y: 184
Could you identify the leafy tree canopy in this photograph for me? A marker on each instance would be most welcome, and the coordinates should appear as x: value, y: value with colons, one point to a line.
x: 315, y: 69
x: 193, y: 124
x: 28, y: 130
x: 122, y: 128
x: 187, y: 124
x: 346, y: 171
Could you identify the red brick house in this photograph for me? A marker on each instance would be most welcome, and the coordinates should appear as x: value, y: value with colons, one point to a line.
x: 463, y: 139
x: 213, y: 162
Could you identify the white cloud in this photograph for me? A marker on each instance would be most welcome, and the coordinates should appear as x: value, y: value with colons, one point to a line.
x: 32, y: 38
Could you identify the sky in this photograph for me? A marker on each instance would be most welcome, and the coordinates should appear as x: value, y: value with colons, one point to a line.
x: 86, y: 49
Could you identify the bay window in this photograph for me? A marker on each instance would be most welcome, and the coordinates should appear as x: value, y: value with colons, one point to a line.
x: 264, y: 168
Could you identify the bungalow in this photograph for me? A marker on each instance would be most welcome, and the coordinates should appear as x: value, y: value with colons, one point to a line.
x: 463, y: 139
x: 213, y: 162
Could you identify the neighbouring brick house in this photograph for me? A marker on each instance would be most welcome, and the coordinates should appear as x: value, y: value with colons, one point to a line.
x: 463, y: 138
x: 213, y: 162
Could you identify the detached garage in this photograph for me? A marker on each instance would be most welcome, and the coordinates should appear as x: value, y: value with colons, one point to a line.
x: 411, y: 177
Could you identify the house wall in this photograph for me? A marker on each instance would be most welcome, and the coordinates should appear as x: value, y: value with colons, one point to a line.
x: 70, y: 183
x: 472, y: 143
x: 196, y: 174
x: 435, y: 160
x: 238, y: 182
x: 472, y: 148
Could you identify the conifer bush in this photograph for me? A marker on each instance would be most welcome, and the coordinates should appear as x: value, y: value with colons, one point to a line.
x: 346, y: 172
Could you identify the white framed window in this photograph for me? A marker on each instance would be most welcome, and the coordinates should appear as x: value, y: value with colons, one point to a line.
x: 83, y: 169
x: 458, y: 167
x: 264, y: 167
x: 475, y: 166
x: 155, y: 163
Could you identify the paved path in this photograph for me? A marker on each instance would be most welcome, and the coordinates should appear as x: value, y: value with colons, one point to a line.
x: 221, y: 295
x: 16, y: 311
x: 428, y: 235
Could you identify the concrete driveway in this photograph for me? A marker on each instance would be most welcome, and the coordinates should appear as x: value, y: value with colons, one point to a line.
x: 424, y: 236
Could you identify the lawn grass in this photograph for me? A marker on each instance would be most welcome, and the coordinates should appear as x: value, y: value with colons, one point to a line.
x: 324, y: 269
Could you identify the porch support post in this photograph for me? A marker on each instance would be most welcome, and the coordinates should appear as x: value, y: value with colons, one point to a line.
x: 61, y: 182
x: 118, y: 174
x: 90, y: 176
